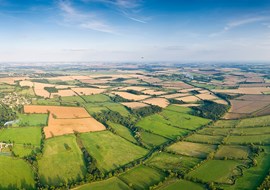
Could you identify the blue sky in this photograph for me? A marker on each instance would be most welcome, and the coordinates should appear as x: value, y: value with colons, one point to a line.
x: 126, y: 30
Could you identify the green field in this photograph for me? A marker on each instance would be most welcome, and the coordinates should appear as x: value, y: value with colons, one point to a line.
x: 219, y: 171
x: 255, y: 122
x: 93, y: 108
x: 137, y: 181
x: 122, y: 131
x: 61, y: 161
x: 209, y: 139
x: 110, y: 184
x: 256, y: 139
x: 21, y: 135
x: 225, y: 123
x: 254, y: 176
x: 151, y: 139
x: 158, y: 125
x: 51, y: 102
x: 109, y: 150
x: 215, y: 131
x: 97, y: 98
x: 172, y: 162
x: 15, y: 174
x: 251, y: 131
x: 233, y: 152
x: 117, y: 108
x: 181, y: 119
x: 35, y: 120
x: 182, y: 185
x: 191, y: 149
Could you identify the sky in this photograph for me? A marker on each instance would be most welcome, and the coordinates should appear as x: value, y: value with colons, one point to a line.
x: 134, y: 30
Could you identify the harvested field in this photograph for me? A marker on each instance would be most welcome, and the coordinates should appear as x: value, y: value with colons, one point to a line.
x: 176, y: 85
x: 187, y: 105
x: 137, y: 88
x: 188, y: 99
x: 220, y: 102
x: 244, y: 90
x: 206, y: 96
x: 161, y: 102
x: 66, y: 120
x: 26, y: 83
x: 87, y: 91
x: 169, y: 96
x: 130, y: 96
x: 63, y: 93
x: 12, y: 80
x: 134, y: 105
x: 58, y: 127
x: 153, y: 92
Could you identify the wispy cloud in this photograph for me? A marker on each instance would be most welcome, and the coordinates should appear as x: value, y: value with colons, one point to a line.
x: 240, y: 22
x: 130, y: 9
x: 82, y: 19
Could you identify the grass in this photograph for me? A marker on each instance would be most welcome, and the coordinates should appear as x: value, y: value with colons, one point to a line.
x: 166, y: 161
x: 225, y: 123
x: 254, y: 176
x: 251, y: 131
x: 73, y: 99
x: 209, y: 139
x: 35, y: 120
x: 219, y: 171
x: 51, y: 102
x: 137, y: 181
x: 256, y: 139
x: 15, y: 174
x: 21, y: 135
x: 122, y: 131
x: 110, y: 184
x: 61, y: 161
x: 151, y: 139
x: 97, y: 98
x: 215, y: 131
x: 182, y: 119
x: 158, y: 125
x: 191, y: 149
x: 117, y: 108
x: 181, y: 184
x: 94, y: 108
x: 255, y: 122
x: 109, y: 150
x: 233, y: 152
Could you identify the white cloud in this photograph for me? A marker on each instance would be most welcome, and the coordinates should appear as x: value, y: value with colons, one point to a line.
x: 245, y: 21
x: 84, y: 20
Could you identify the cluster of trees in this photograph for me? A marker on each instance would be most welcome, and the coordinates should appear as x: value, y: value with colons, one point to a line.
x: 146, y: 111
x: 174, y: 101
x: 118, y: 98
x: 210, y: 110
x: 51, y: 89
x: 6, y: 114
x: 135, y: 92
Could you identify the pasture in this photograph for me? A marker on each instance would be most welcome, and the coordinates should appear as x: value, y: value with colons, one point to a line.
x: 233, y: 152
x: 166, y: 161
x: 113, y: 183
x: 136, y: 180
x: 62, y: 160
x: 219, y: 171
x: 181, y: 185
x: 191, y: 149
x: 15, y: 174
x: 209, y: 139
x: 151, y: 139
x: 122, y: 131
x: 104, y: 147
x: 36, y: 120
x: 158, y: 125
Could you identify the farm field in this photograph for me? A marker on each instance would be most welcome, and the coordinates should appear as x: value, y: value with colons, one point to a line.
x: 218, y: 171
x: 62, y: 160
x: 105, y: 149
x: 135, y: 180
x: 134, y: 126
x: 16, y: 174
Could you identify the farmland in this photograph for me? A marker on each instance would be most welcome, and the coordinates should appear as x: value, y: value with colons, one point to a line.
x: 134, y: 129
